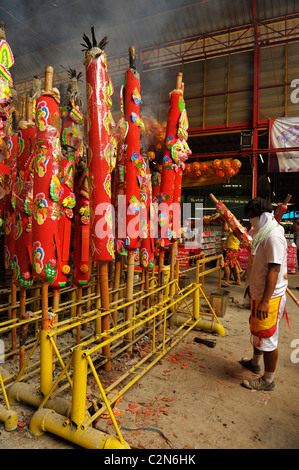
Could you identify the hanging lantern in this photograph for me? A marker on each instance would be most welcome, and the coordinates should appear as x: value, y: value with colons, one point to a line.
x: 230, y: 172
x: 236, y: 164
x: 220, y: 173
x: 187, y: 170
x: 211, y: 170
x: 216, y: 163
x: 195, y: 167
x: 226, y: 164
x: 203, y: 168
x: 151, y: 155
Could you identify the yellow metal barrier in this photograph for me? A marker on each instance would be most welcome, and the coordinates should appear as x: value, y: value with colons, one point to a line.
x: 74, y: 422
x: 8, y: 416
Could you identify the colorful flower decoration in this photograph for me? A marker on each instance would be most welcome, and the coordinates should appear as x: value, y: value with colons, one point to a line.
x: 137, y: 120
x: 134, y: 205
x: 139, y: 162
x: 42, y: 113
x: 38, y: 255
x: 136, y: 96
x: 163, y: 197
x: 55, y: 189
x: 40, y: 208
x: 167, y: 162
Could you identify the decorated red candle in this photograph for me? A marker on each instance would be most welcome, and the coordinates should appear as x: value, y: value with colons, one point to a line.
x: 99, y: 90
x: 182, y: 152
x: 71, y: 140
x: 9, y: 202
x: 234, y: 224
x: 170, y: 162
x: 46, y: 186
x: 146, y: 212
x: 282, y: 208
x: 23, y: 191
x: 132, y: 99
x: 8, y: 149
x: 81, y: 226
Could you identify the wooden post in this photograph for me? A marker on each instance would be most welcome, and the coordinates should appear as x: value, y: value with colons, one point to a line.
x: 79, y: 313
x: 105, y: 305
x: 24, y: 328
x: 13, y: 315
x: 116, y: 286
x: 129, y: 296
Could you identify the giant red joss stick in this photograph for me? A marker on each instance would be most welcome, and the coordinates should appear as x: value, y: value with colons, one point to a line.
x: 180, y: 153
x: 99, y: 139
x: 81, y: 228
x: 166, y: 214
x: 147, y: 240
x: 132, y: 141
x: 81, y: 232
x: 23, y: 191
x: 170, y: 163
x: 9, y: 217
x: 236, y: 227
x: 239, y: 231
x: 72, y: 136
x: 8, y: 150
x: 147, y: 248
x: 46, y: 208
x: 282, y: 208
x: 71, y: 139
x: 9, y: 210
x: 118, y: 189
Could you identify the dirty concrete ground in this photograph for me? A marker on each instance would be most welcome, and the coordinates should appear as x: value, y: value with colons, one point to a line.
x: 192, y: 398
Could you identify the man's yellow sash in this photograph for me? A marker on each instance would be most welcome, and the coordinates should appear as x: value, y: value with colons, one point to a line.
x: 265, y: 327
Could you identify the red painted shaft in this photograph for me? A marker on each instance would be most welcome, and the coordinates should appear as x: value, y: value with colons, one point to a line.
x: 132, y: 142
x: 46, y: 189
x: 97, y: 83
x: 23, y: 190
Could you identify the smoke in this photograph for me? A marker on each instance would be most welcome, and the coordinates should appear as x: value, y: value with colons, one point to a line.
x: 50, y: 33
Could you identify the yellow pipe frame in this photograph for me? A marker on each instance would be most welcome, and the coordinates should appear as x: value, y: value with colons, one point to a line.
x: 72, y: 421
x: 9, y: 417
x: 46, y: 420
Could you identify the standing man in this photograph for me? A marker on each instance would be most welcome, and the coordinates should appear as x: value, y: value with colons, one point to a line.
x: 231, y: 258
x: 268, y: 285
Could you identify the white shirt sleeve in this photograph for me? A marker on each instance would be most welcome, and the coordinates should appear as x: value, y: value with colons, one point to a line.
x: 275, y: 248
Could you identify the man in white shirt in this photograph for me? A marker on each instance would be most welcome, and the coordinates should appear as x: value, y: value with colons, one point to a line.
x: 268, y: 283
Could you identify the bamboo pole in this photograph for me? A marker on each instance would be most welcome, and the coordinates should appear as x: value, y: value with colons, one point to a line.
x: 141, y: 289
x: 55, y: 307
x: 105, y: 305
x: 79, y: 313
x: 117, y: 273
x: 13, y: 315
x: 293, y: 297
x: 24, y: 328
x: 160, y: 282
x: 147, y: 300
x: 129, y: 296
